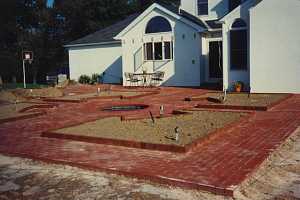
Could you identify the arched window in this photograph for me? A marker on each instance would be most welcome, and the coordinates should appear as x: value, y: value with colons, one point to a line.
x: 233, y: 4
x: 157, y: 25
x: 239, y: 45
x: 239, y: 23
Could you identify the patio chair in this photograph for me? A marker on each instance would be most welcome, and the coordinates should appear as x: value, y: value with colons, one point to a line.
x: 157, y: 78
x: 132, y: 78
x: 127, y: 76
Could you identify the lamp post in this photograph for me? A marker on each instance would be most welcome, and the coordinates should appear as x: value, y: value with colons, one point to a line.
x: 24, y: 75
x: 27, y: 56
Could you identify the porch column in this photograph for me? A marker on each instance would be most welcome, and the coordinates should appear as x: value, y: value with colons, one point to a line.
x: 226, y: 54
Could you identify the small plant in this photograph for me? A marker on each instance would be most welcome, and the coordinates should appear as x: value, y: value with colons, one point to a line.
x: 238, y: 86
x: 84, y: 79
x: 95, y: 78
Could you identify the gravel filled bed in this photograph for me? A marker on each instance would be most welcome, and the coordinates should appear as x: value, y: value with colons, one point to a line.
x: 194, y: 125
x: 101, y: 94
x: 12, y: 110
x: 247, y: 100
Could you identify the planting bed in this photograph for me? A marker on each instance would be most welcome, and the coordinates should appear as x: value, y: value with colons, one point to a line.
x: 241, y: 101
x: 192, y: 126
x: 11, y: 112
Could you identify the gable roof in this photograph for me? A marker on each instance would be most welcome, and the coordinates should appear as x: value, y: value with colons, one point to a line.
x: 110, y: 34
x: 169, y: 10
x: 245, y: 5
x: 105, y: 35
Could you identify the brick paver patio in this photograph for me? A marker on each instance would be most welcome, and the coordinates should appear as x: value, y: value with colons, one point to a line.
x: 218, y: 166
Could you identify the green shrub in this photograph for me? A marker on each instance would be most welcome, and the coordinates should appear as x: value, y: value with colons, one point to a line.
x: 84, y: 79
x: 95, y: 78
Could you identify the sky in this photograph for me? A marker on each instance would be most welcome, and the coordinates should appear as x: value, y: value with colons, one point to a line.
x: 50, y: 2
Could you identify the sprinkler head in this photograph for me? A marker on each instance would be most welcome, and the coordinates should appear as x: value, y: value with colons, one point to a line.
x: 161, y: 110
x: 176, y: 133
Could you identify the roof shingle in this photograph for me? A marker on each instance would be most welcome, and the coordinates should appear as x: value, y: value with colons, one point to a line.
x: 107, y: 34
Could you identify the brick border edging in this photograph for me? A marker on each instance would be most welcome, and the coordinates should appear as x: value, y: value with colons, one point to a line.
x: 268, y: 158
x: 64, y: 100
x: 144, y: 145
x: 232, y: 107
x: 236, y: 107
x: 116, y: 142
x: 28, y: 116
x: 37, y: 106
x: 279, y: 101
x: 152, y: 178
x: 101, y: 97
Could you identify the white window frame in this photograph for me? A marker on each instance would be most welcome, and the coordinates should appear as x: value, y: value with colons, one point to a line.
x: 163, y: 51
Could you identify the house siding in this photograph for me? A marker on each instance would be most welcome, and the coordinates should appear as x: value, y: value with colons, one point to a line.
x: 275, y: 47
x: 184, y: 69
x: 96, y: 59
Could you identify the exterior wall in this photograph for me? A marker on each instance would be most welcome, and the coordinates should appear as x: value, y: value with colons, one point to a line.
x: 183, y: 70
x: 275, y: 49
x: 230, y: 76
x: 96, y: 59
x: 189, y: 6
x: 216, y: 8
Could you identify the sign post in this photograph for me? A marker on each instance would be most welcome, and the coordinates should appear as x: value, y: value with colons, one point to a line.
x: 27, y: 56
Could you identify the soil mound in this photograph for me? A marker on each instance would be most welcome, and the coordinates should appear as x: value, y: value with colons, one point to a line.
x: 44, y: 92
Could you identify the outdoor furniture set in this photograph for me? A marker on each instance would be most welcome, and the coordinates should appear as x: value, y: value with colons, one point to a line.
x: 144, y: 79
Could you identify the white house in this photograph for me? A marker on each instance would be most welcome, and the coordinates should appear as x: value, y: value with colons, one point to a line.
x: 203, y: 41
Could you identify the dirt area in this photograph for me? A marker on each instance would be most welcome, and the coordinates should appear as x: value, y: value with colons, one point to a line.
x: 10, y: 97
x: 74, y: 96
x: 279, y: 177
x: 32, y: 180
x: 191, y: 126
x: 12, y: 110
x: 45, y: 92
x: 245, y: 99
x: 26, y: 179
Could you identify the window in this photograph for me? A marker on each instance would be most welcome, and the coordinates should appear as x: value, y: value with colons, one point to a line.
x: 157, y: 25
x: 239, y: 45
x: 233, y: 4
x: 168, y: 51
x: 148, y: 51
x: 202, y: 7
x: 239, y: 23
x: 158, y: 51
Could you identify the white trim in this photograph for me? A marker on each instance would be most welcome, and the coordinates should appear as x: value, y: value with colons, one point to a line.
x: 164, y: 10
x: 92, y: 44
x: 163, y: 51
x: 248, y: 4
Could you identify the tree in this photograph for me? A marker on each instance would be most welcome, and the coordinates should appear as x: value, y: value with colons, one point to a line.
x: 82, y: 17
x: 31, y: 25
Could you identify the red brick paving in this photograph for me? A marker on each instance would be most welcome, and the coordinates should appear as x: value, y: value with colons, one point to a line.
x: 218, y: 166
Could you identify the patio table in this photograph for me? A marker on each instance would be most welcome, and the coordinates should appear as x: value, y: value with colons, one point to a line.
x: 146, y: 78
